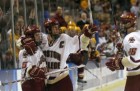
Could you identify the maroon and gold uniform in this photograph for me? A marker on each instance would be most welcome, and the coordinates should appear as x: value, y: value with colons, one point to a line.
x: 62, y: 47
x: 33, y: 66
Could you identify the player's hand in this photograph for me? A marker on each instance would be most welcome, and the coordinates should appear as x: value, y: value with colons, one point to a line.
x: 119, y: 46
x: 78, y: 58
x: 37, y: 72
x: 89, y: 30
x: 114, y: 64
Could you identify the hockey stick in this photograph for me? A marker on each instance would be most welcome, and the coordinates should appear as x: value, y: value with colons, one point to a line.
x: 49, y: 73
x: 61, y: 70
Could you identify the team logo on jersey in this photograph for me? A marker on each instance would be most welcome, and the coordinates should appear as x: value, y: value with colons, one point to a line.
x: 131, y: 39
x: 53, y: 65
x: 52, y: 54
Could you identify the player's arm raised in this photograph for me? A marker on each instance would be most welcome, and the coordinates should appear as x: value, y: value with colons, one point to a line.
x: 82, y: 55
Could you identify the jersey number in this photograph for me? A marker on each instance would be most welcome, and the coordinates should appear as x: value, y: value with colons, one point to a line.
x: 132, y: 51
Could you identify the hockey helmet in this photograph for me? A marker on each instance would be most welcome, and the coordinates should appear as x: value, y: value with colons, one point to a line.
x: 128, y: 19
x: 71, y: 23
x: 31, y: 30
x: 49, y: 23
x: 77, y: 29
x: 71, y: 28
x: 63, y: 29
x: 29, y: 45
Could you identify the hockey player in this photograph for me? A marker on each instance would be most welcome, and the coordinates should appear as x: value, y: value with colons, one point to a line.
x: 91, y: 54
x: 72, y: 30
x: 60, y: 48
x: 32, y: 62
x: 131, y: 61
x: 40, y: 38
x: 94, y: 54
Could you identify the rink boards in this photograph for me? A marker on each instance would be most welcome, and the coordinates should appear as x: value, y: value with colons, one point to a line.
x: 96, y: 77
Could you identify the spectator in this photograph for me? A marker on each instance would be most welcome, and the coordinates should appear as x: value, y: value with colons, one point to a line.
x: 8, y: 61
x: 32, y: 17
x: 59, y: 17
x: 83, y: 20
x: 4, y: 25
x: 18, y: 32
x: 135, y: 8
x: 98, y: 7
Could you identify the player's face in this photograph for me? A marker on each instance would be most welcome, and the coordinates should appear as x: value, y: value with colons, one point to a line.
x: 38, y: 36
x: 21, y: 23
x: 126, y: 25
x: 55, y: 30
x: 72, y: 33
x: 84, y: 16
x: 131, y: 30
x: 17, y: 29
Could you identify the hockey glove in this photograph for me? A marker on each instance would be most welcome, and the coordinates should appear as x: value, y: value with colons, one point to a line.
x: 77, y: 58
x: 114, y: 64
x: 37, y: 72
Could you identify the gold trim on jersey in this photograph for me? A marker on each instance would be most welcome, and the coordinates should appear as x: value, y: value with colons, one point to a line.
x: 127, y: 63
x: 133, y: 73
x: 60, y: 77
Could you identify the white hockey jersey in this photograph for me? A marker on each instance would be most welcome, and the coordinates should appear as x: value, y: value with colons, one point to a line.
x: 57, y: 54
x: 132, y: 48
x: 27, y: 61
x: 44, y: 43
